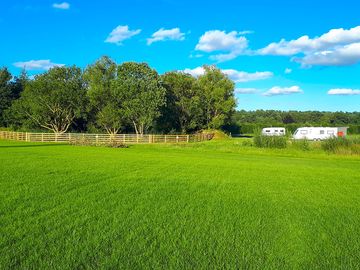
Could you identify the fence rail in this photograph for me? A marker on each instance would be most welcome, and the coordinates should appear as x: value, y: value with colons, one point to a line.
x: 98, y: 139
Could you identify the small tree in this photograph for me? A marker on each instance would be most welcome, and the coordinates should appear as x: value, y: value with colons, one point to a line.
x: 217, y: 97
x: 142, y: 94
x: 54, y: 99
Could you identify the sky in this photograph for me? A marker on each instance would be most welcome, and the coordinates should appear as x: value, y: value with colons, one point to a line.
x: 282, y: 55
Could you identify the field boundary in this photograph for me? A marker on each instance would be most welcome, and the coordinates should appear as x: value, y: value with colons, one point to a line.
x: 98, y: 139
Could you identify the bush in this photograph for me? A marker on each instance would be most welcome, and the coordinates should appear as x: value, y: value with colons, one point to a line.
x: 303, y: 144
x: 342, y: 145
x: 270, y: 141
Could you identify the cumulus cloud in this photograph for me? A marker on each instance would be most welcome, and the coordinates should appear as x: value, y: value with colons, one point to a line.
x: 235, y: 75
x: 344, y: 92
x: 166, y: 34
x: 242, y: 76
x: 337, y: 47
x: 63, y: 5
x: 277, y: 90
x: 246, y: 90
x: 232, y: 44
x: 121, y: 33
x: 340, y: 56
x: 288, y: 71
x: 37, y: 65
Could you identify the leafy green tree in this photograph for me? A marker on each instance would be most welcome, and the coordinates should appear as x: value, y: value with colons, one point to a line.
x: 142, y: 94
x: 105, y: 99
x: 184, y: 101
x: 53, y: 100
x: 5, y: 92
x: 218, y: 98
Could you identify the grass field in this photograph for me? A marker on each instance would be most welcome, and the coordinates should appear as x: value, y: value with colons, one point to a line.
x: 213, y: 205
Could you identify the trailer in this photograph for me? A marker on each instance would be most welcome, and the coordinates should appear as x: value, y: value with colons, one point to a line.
x: 273, y: 131
x: 319, y: 133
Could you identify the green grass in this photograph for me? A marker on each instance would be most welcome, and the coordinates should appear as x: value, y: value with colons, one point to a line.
x: 213, y: 205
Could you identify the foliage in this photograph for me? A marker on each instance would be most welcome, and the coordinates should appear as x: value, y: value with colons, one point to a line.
x: 183, y: 108
x: 262, y: 141
x: 142, y: 94
x: 341, y: 145
x: 217, y: 97
x: 105, y: 99
x: 302, y: 144
x: 53, y: 100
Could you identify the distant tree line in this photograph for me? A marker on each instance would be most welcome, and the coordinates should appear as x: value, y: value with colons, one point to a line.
x: 249, y: 121
x: 112, y: 98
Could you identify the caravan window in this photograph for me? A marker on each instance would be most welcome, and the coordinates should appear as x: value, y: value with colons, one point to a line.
x: 322, y: 131
x: 267, y: 130
x: 276, y: 130
x: 303, y: 132
x: 331, y: 132
x: 282, y: 131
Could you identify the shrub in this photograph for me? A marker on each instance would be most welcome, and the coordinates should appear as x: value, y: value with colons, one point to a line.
x: 342, y: 145
x: 303, y: 144
x: 270, y: 141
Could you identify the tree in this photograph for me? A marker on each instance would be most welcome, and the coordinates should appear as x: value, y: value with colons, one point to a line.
x: 217, y: 97
x: 105, y: 99
x: 183, y: 101
x: 142, y: 94
x: 5, y: 92
x: 53, y: 100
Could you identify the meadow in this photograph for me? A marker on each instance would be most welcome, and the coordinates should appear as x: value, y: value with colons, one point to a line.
x: 210, y: 205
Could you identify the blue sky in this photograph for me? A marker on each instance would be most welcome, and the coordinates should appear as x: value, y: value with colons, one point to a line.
x: 287, y: 55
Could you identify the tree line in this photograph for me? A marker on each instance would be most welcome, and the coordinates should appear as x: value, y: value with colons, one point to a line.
x: 112, y: 98
x: 249, y: 121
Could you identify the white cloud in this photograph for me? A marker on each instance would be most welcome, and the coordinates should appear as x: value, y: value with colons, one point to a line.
x: 235, y: 75
x: 121, y: 33
x: 246, y: 32
x: 37, y: 65
x: 232, y: 44
x: 340, y: 56
x: 196, y: 72
x: 63, y: 5
x: 344, y: 92
x: 277, y: 90
x: 246, y: 90
x: 288, y: 71
x: 337, y: 47
x: 166, y: 34
x: 242, y: 76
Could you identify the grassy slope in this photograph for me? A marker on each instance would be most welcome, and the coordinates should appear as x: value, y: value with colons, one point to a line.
x: 209, y: 205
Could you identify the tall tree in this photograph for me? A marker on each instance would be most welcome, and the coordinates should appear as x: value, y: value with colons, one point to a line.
x: 217, y: 97
x: 53, y: 100
x: 142, y: 94
x: 105, y: 99
x: 184, y: 100
x: 5, y: 92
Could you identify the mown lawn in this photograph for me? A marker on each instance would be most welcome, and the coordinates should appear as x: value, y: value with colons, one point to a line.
x: 198, y: 206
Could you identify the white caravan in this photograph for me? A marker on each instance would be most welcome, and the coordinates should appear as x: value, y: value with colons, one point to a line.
x: 319, y: 133
x: 273, y: 131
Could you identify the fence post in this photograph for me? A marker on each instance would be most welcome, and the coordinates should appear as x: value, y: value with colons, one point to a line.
x: 187, y: 138
x: 165, y: 138
x: 177, y: 138
x: 149, y: 138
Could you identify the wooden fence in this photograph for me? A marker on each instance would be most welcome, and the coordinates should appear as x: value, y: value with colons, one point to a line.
x: 98, y: 139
